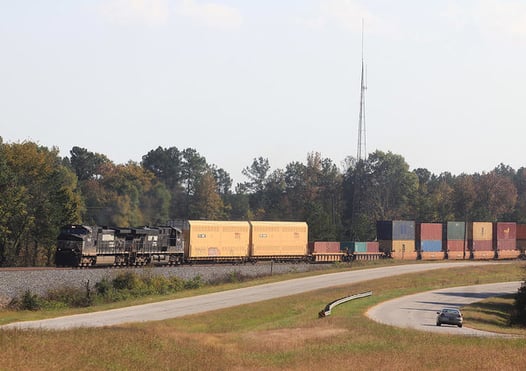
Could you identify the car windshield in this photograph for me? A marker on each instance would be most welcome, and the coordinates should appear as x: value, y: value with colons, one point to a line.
x: 450, y: 311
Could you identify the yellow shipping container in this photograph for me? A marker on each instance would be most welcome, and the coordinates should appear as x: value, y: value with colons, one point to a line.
x: 216, y: 240
x: 279, y: 239
x: 404, y: 250
x: 399, y: 249
x: 481, y: 231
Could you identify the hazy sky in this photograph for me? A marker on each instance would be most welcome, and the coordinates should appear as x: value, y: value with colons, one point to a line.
x: 279, y: 79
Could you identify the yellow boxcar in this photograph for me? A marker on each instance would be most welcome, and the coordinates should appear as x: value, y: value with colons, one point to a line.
x: 279, y: 239
x: 216, y: 240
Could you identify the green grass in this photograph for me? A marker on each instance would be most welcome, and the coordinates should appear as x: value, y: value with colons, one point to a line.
x: 493, y: 314
x: 284, y: 333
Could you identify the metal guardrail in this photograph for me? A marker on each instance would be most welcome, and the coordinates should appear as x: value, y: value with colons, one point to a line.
x: 328, y: 308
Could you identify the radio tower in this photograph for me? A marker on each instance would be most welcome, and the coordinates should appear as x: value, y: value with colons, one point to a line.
x: 362, y: 141
x: 360, y: 157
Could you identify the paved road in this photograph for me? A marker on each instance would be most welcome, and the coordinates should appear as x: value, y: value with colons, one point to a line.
x: 419, y: 311
x: 203, y: 303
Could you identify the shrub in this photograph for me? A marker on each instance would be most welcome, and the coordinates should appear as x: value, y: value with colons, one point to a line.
x: 27, y: 301
x: 103, y: 287
x: 126, y: 281
x: 194, y: 283
x: 176, y: 284
x: 68, y: 296
x: 518, y: 317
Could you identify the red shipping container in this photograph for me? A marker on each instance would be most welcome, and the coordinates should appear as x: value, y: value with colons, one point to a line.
x: 373, y: 246
x: 506, y: 244
x: 479, y: 245
x: 521, y: 231
x: 505, y: 231
x: 429, y: 231
x: 455, y: 245
x: 326, y: 247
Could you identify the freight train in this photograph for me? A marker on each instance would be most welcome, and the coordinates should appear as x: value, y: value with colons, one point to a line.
x: 199, y: 241
x: 193, y: 241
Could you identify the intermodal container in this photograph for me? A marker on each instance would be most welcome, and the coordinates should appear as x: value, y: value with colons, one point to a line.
x: 395, y: 230
x: 457, y: 245
x: 360, y: 247
x: 280, y: 239
x: 373, y: 247
x: 480, y: 245
x: 480, y: 231
x: 404, y: 250
x: 429, y: 231
x: 431, y: 246
x: 455, y: 231
x: 325, y: 247
x: 504, y: 236
x: 505, y: 230
x: 482, y: 249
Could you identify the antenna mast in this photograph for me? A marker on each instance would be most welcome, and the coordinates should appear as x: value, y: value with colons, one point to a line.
x: 362, y: 141
x: 360, y: 156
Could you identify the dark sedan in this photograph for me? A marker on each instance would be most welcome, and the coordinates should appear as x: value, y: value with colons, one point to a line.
x: 450, y: 316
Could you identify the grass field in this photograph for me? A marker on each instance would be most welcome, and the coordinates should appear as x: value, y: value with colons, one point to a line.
x: 287, y: 334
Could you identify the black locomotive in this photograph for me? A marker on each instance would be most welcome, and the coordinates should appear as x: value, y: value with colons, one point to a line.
x: 85, y: 246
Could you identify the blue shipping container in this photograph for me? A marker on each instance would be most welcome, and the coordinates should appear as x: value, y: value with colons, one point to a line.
x: 431, y: 246
x: 360, y: 247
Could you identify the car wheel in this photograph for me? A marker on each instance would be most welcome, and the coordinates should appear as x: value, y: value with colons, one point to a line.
x: 460, y: 325
x: 438, y: 323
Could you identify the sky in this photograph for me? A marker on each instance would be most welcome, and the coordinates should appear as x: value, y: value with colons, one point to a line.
x: 237, y: 80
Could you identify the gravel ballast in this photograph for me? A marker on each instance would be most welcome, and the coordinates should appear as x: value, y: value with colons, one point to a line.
x: 14, y: 283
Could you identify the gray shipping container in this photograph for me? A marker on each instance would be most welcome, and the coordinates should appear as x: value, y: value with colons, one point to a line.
x: 395, y: 230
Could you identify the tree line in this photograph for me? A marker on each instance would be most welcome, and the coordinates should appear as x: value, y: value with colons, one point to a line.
x: 42, y: 191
